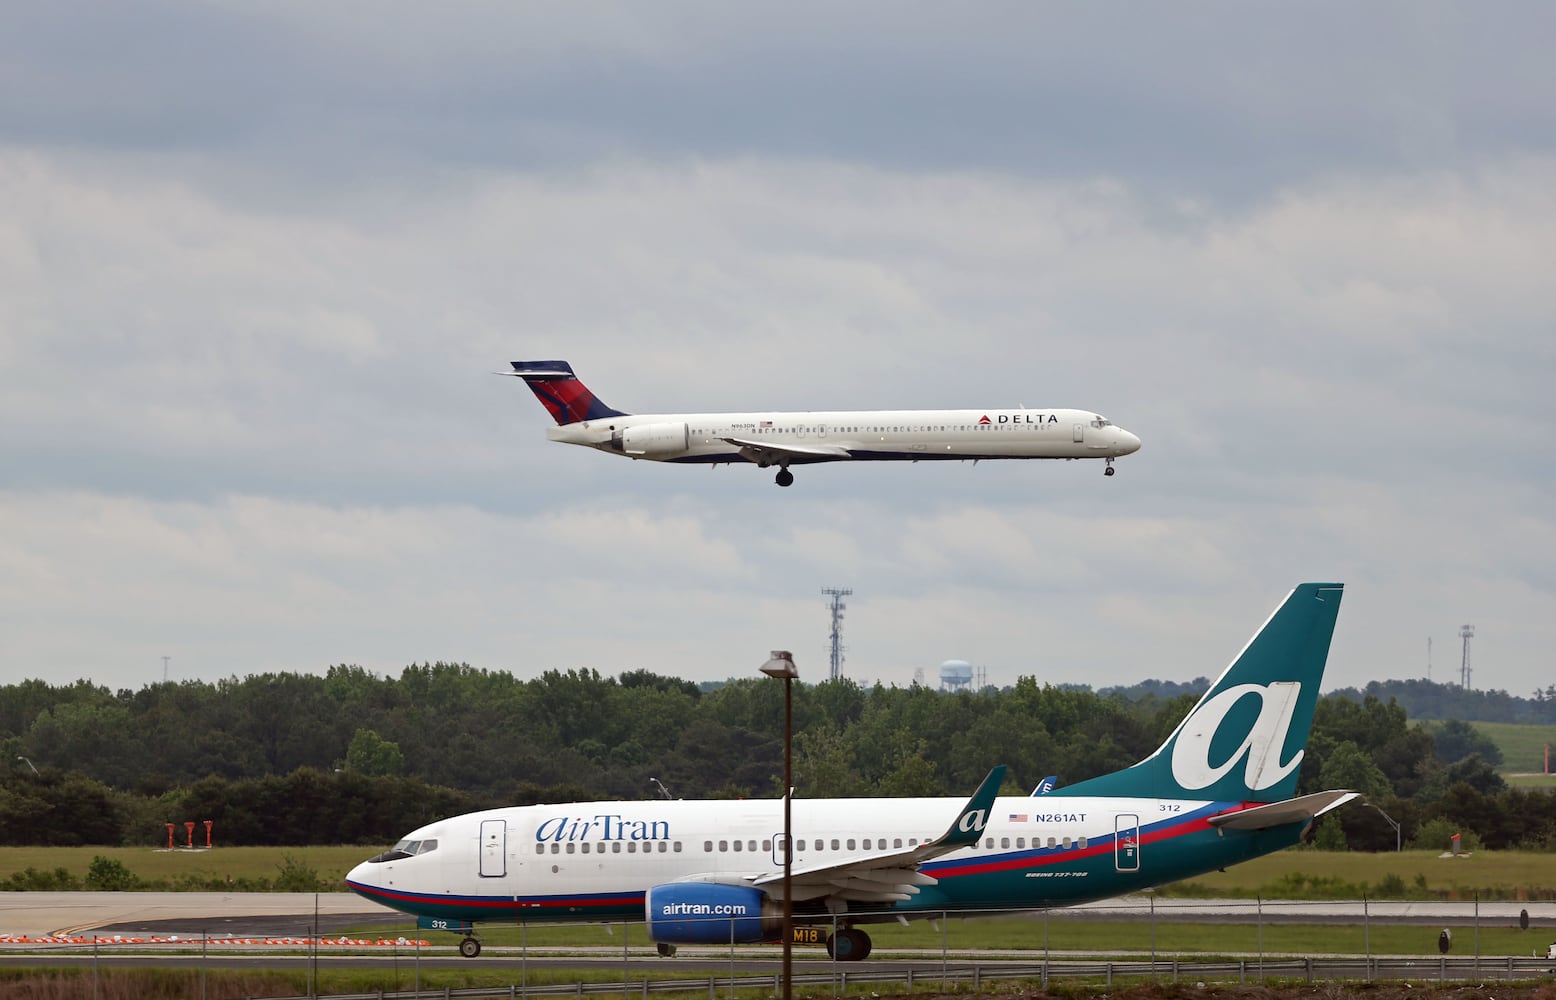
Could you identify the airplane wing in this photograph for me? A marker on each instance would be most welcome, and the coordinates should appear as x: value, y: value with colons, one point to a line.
x: 888, y: 877
x: 1297, y: 810
x: 765, y: 453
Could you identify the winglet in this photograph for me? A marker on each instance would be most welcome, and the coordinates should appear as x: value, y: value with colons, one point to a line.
x: 969, y: 823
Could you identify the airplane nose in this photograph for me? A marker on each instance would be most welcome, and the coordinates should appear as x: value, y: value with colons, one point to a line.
x: 1128, y: 443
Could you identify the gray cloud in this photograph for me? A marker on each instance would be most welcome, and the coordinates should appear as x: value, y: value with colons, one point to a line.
x: 1221, y: 100
x: 255, y: 265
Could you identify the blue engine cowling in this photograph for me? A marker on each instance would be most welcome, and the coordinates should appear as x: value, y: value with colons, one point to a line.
x: 705, y: 913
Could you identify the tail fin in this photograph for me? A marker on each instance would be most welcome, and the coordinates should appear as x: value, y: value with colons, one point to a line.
x: 1244, y: 740
x: 559, y: 390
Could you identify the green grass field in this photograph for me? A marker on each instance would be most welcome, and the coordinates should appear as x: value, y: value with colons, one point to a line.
x: 1494, y: 874
x: 1522, y: 746
x: 1064, y: 931
x: 331, y: 863
x: 1292, y: 874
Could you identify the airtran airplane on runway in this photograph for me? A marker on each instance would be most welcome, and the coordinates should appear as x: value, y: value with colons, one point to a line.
x: 1218, y: 791
x: 784, y: 439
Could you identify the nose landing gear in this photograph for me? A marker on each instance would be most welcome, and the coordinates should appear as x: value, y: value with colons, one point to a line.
x: 1108, y: 469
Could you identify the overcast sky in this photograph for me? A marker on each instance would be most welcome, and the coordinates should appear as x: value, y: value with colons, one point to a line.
x: 257, y: 262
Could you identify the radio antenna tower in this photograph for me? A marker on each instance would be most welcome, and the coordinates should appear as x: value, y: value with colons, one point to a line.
x: 1466, y: 633
x: 838, y: 607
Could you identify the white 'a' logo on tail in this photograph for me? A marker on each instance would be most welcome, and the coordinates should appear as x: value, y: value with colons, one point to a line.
x: 973, y: 821
x: 1191, y: 765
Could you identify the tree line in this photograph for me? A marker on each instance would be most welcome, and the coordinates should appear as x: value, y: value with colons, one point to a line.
x: 1425, y: 699
x: 355, y: 757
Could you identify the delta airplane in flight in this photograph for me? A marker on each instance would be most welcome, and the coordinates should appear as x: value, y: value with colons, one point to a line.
x: 783, y: 439
x: 1219, y: 791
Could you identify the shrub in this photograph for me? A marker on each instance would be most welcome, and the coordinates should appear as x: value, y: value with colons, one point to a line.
x: 1436, y: 834
x: 294, y: 876
x: 110, y: 875
x: 1390, y: 886
x: 31, y: 879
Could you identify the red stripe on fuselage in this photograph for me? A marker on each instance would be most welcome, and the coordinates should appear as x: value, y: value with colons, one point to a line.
x: 405, y: 900
x: 1193, y: 824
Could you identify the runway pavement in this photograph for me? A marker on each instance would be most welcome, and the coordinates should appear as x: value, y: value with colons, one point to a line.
x: 40, y: 913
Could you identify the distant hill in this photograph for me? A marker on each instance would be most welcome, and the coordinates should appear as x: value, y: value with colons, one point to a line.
x: 1421, y: 699
x: 1424, y: 699
x: 1156, y: 689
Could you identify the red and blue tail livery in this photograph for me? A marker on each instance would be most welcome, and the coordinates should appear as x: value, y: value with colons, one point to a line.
x: 1220, y: 790
x: 773, y: 438
x: 568, y: 400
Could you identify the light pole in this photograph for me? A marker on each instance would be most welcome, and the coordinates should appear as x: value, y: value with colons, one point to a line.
x: 780, y: 663
x: 1397, y: 845
x: 29, y: 763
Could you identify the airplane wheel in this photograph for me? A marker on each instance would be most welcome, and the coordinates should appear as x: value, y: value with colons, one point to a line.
x: 1109, y: 471
x: 849, y: 945
x: 469, y: 947
x: 665, y: 950
x: 784, y: 478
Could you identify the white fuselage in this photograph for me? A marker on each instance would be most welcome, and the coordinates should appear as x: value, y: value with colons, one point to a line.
x: 778, y: 438
x: 595, y: 860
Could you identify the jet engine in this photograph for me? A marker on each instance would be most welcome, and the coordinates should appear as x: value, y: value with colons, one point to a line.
x: 652, y: 440
x: 706, y: 913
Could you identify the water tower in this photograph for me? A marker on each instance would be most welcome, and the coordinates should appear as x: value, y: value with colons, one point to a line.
x: 955, y: 675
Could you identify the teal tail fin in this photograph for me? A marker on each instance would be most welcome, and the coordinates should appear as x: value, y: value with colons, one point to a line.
x: 1245, y: 739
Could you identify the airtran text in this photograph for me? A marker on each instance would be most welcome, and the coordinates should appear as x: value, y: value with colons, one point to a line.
x: 601, y: 826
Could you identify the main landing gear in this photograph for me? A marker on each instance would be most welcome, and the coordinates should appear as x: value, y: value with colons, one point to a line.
x: 1108, y: 469
x: 784, y: 478
x: 469, y: 946
x: 848, y: 945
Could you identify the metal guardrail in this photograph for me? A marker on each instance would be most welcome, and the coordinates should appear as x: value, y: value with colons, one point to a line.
x: 953, y: 962
x: 1308, y: 970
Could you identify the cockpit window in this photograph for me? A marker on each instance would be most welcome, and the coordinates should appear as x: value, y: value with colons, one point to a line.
x: 413, y: 847
x: 405, y: 849
x: 1100, y: 421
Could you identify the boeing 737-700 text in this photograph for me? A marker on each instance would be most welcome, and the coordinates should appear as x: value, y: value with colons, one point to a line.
x: 1220, y: 790
x: 785, y: 439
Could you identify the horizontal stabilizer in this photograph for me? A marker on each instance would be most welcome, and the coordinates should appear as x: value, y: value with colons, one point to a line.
x: 541, y: 370
x: 1297, y: 810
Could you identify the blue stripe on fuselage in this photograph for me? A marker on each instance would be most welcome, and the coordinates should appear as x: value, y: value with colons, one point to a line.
x: 629, y: 904
x: 1166, y: 829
